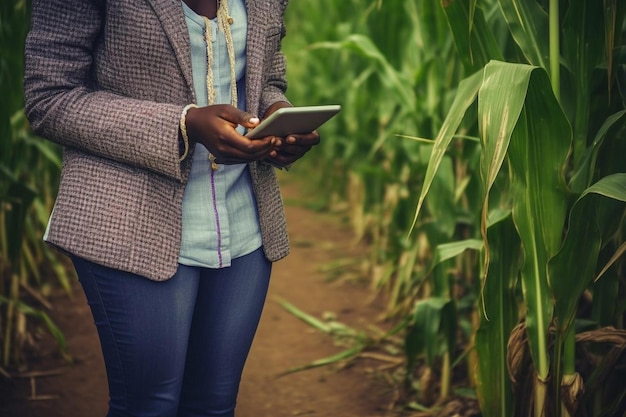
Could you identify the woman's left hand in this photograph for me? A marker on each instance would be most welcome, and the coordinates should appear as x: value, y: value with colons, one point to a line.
x: 292, y: 147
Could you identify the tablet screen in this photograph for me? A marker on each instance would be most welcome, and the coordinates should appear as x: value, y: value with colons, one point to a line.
x: 294, y: 120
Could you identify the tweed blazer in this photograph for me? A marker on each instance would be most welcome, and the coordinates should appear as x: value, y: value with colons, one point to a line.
x: 108, y: 80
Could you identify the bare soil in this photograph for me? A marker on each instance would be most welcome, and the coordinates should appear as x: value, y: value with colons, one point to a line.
x: 53, y: 387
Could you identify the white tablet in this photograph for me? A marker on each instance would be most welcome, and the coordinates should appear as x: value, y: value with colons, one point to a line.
x: 294, y: 120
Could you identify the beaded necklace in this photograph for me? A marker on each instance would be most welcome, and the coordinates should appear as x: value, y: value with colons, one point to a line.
x: 224, y: 21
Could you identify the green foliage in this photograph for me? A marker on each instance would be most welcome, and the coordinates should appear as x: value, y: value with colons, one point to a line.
x: 29, y: 173
x: 391, y: 83
x: 540, y: 84
x: 526, y: 128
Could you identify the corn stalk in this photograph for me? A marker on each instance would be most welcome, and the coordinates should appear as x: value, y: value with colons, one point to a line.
x: 525, y: 132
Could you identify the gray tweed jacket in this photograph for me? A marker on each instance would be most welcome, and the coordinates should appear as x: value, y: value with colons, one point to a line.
x: 108, y: 80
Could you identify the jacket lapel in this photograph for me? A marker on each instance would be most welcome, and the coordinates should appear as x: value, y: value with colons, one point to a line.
x: 170, y: 14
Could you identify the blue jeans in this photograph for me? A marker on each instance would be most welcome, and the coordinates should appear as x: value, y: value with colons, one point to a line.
x: 176, y: 348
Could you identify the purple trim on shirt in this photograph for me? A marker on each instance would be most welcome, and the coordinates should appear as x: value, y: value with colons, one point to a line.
x: 217, y: 221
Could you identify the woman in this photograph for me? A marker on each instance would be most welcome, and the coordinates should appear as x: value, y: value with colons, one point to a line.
x: 171, y: 217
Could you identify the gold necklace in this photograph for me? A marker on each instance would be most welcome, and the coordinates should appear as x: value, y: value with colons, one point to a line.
x: 224, y: 21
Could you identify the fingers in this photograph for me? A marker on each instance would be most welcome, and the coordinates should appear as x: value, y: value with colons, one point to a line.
x: 299, y: 144
x: 230, y: 147
x: 236, y: 149
x: 310, y: 139
x: 235, y: 115
x: 293, y: 147
x: 216, y: 128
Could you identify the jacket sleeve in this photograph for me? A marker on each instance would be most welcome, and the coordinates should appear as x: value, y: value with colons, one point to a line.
x: 65, y: 103
x: 275, y: 85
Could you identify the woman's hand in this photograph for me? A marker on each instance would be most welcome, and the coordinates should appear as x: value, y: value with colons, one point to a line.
x: 215, y: 127
x: 293, y: 147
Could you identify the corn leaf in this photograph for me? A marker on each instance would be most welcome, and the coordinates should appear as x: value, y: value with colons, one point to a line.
x: 16, y: 197
x: 498, y: 319
x: 617, y: 255
x: 573, y: 268
x: 527, y: 125
x: 497, y: 116
x: 466, y: 95
x: 431, y: 324
x: 307, y: 318
x: 528, y: 23
x: 584, y: 173
x: 583, y: 46
x: 474, y: 39
x: 441, y: 199
x: 394, y: 80
x: 41, y: 315
x: 536, y: 142
x: 344, y: 355
x: 451, y: 250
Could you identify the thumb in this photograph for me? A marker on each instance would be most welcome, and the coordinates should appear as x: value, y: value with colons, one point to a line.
x: 247, y: 120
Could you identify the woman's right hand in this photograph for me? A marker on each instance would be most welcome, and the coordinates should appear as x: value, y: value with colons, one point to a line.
x: 215, y: 127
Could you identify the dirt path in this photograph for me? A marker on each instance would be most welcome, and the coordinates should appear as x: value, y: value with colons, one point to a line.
x: 282, y: 342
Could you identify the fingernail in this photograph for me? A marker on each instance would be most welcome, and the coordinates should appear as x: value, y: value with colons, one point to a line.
x: 254, y: 120
x: 291, y: 139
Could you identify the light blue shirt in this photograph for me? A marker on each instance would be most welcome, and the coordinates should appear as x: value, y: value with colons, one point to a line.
x: 220, y: 220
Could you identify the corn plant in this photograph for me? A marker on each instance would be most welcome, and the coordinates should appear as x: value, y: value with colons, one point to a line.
x: 29, y: 170
x: 553, y: 191
x: 545, y: 80
x: 393, y: 83
x: 390, y: 82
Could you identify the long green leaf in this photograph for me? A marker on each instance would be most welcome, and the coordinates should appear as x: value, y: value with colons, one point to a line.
x: 329, y: 360
x: 466, y: 95
x: 584, y: 171
x: 616, y: 256
x: 391, y: 77
x: 537, y: 152
x: 583, y: 45
x: 307, y: 318
x: 498, y: 319
x: 573, y: 268
x: 451, y: 250
x: 474, y: 39
x: 529, y: 26
x: 497, y: 116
